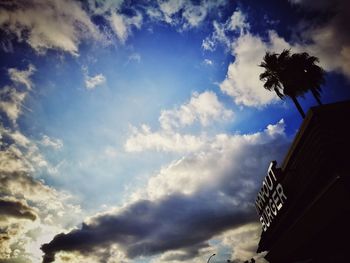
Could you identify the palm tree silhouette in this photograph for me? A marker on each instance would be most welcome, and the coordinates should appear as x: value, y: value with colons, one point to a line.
x: 292, y: 75
x: 310, y: 76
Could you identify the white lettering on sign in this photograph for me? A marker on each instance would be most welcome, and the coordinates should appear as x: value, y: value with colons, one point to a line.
x: 271, y: 197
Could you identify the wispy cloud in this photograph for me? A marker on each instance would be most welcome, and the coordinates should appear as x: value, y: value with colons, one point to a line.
x: 13, y: 96
x: 183, y: 14
x: 236, y: 23
x: 208, y: 62
x: 122, y: 24
x: 135, y: 57
x: 51, y: 142
x: 22, y: 77
x: 93, y: 82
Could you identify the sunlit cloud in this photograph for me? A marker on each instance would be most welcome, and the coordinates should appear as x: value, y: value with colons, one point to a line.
x: 12, y: 96
x: 51, y: 25
x: 203, y: 108
x: 198, y: 193
x: 249, y: 51
x: 123, y: 128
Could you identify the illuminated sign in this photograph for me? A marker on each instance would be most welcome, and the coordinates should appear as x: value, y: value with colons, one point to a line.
x: 271, y: 197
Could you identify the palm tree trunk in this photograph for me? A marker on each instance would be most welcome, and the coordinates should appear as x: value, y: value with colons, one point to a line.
x: 298, y: 107
x: 316, y: 97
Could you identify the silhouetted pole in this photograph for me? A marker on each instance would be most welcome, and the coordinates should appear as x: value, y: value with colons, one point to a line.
x: 210, y: 257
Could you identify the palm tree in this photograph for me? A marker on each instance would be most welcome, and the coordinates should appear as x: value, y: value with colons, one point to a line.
x: 309, y: 75
x: 292, y: 75
x: 277, y: 77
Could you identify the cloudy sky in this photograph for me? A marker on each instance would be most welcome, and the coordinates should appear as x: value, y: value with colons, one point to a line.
x: 138, y: 131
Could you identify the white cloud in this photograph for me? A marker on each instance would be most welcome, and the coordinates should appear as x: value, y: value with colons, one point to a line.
x: 93, y: 82
x: 169, y: 8
x: 194, y: 15
x: 237, y: 157
x: 208, y: 62
x: 236, y: 23
x: 183, y: 13
x: 22, y: 155
x: 242, y: 80
x: 208, y: 44
x: 328, y: 42
x: 145, y: 139
x: 51, y: 142
x: 203, y: 108
x: 11, y: 102
x: 10, y: 161
x: 122, y: 24
x: 50, y: 24
x: 12, y: 97
x: 119, y: 26
x: 218, y: 36
x: 22, y: 76
x: 154, y: 13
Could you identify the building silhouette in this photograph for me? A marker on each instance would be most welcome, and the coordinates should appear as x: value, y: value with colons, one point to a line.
x: 313, y: 220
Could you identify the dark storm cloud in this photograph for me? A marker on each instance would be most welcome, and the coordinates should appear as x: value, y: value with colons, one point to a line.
x: 330, y: 37
x: 339, y: 11
x: 147, y: 228
x: 10, y: 208
x: 183, y: 223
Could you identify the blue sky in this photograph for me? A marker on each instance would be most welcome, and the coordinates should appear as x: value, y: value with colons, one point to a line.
x: 141, y: 130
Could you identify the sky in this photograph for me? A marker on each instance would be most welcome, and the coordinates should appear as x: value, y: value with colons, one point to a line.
x: 139, y: 131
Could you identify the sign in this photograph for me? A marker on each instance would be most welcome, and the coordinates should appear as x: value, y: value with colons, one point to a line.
x: 271, y: 197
